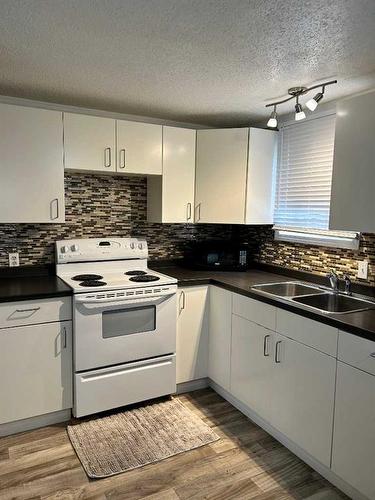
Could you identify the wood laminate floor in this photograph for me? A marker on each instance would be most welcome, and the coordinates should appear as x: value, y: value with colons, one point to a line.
x: 246, y: 463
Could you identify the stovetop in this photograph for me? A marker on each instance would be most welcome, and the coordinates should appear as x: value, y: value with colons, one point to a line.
x: 109, y: 279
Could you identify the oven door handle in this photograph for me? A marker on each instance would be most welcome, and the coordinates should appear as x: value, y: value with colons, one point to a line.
x: 126, y: 302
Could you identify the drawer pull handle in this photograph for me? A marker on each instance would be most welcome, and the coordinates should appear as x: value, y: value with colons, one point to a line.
x: 277, y: 352
x: 266, y: 351
x: 372, y: 355
x: 34, y: 309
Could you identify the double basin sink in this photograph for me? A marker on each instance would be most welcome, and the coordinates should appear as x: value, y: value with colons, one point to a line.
x: 314, y: 297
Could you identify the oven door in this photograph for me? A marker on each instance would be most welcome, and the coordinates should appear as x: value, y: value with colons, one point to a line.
x: 110, y: 332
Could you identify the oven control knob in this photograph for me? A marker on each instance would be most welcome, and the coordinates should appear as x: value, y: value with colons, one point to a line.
x: 64, y: 249
x: 74, y: 248
x: 140, y: 246
x: 132, y: 246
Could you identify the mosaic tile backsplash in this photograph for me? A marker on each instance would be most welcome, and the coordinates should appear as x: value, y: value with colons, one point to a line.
x: 98, y: 205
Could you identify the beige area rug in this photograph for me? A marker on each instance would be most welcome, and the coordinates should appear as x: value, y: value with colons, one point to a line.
x: 133, y: 438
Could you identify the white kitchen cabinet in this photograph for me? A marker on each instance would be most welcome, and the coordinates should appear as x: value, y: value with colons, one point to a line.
x: 234, y: 176
x: 252, y: 366
x: 139, y: 148
x: 352, y: 198
x: 170, y: 198
x: 303, y: 395
x: 354, y: 429
x: 31, y: 165
x: 192, y: 333
x: 89, y: 143
x: 220, y: 328
x: 35, y: 370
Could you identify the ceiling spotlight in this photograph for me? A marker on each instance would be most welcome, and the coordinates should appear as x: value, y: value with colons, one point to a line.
x: 313, y: 103
x: 300, y: 114
x: 272, y: 122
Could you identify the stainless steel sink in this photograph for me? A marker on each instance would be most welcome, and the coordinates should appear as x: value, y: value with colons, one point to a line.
x: 287, y: 289
x: 334, y: 303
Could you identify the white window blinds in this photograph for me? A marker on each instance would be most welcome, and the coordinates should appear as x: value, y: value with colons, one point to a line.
x: 304, y: 174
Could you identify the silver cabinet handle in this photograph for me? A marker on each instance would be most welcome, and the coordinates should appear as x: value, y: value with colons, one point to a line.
x: 277, y: 351
x: 54, y: 202
x: 198, y: 212
x: 107, y: 154
x: 266, y: 351
x: 182, y: 297
x: 188, y: 210
x: 64, y: 338
x: 372, y: 355
x: 122, y: 158
x: 33, y: 309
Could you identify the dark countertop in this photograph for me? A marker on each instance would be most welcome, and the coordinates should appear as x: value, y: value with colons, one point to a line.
x: 14, y: 288
x: 359, y: 323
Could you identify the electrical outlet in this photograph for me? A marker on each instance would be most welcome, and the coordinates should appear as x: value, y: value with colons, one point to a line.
x: 362, y: 269
x: 14, y: 259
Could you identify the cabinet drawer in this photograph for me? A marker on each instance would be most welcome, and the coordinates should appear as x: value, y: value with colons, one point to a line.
x: 357, y: 352
x: 309, y: 332
x: 254, y: 310
x: 122, y: 385
x: 31, y: 312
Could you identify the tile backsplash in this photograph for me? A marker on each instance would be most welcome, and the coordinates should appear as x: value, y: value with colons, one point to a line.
x: 103, y: 205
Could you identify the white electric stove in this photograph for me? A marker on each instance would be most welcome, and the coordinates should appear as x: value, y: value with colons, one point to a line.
x: 124, y: 323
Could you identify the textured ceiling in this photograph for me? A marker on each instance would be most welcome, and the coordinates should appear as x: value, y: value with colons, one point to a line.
x: 214, y: 62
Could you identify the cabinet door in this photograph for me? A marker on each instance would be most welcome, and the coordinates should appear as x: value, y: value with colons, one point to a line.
x: 89, y: 143
x: 139, y: 147
x: 260, y: 176
x: 353, y: 180
x: 192, y: 334
x: 354, y: 429
x: 178, y: 174
x: 221, y: 172
x: 31, y: 165
x: 35, y: 370
x: 252, y: 366
x: 304, y: 386
x: 220, y: 336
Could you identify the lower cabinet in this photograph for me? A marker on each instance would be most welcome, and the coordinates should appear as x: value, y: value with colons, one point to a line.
x: 286, y: 383
x: 252, y: 370
x: 353, y: 455
x: 192, y: 333
x: 35, y: 370
x: 303, y: 396
x: 219, y: 351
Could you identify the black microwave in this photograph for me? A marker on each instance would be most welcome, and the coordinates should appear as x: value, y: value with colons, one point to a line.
x: 219, y: 255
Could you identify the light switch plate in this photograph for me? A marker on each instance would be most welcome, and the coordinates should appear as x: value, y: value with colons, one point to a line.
x: 14, y: 259
x: 362, y: 269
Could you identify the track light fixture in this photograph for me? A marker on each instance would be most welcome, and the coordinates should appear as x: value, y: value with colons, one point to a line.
x: 295, y: 93
x: 272, y: 121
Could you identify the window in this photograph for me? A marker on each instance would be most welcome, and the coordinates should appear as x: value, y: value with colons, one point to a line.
x: 303, y: 184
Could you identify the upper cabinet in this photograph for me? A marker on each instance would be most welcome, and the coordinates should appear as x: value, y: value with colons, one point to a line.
x: 352, y: 199
x: 170, y: 198
x: 31, y: 165
x: 139, y: 148
x: 89, y: 142
x: 234, y: 176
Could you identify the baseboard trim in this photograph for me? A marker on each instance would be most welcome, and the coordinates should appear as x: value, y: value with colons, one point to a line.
x: 320, y: 468
x: 192, y: 385
x: 28, y: 424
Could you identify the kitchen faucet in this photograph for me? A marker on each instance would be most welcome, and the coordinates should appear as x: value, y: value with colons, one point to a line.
x: 334, y: 280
